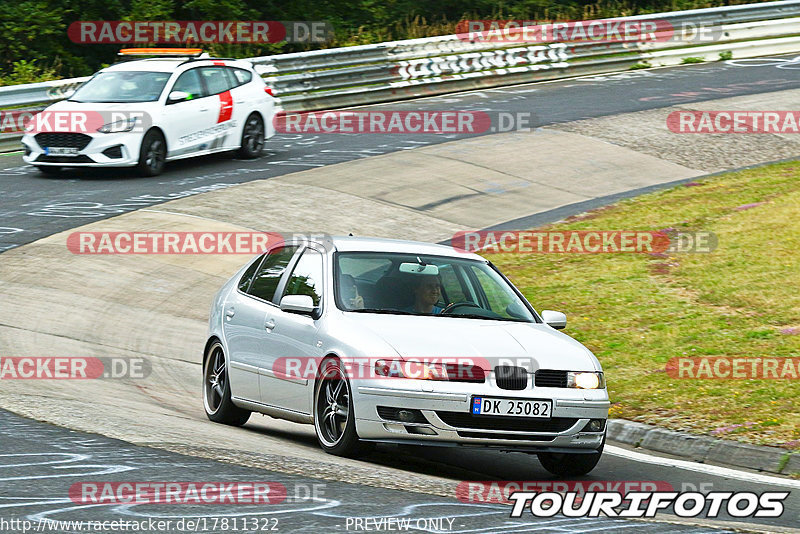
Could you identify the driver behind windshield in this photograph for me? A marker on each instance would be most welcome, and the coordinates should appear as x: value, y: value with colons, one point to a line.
x: 427, y: 292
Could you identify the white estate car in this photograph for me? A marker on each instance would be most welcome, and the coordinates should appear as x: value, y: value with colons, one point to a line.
x: 158, y: 109
x: 378, y: 340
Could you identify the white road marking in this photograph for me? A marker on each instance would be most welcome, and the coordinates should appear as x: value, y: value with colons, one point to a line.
x: 701, y: 468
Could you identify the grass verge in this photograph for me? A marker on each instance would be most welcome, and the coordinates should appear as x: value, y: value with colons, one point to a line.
x: 636, y: 311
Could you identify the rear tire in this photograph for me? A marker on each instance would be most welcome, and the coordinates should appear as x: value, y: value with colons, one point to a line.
x: 252, y: 137
x: 153, y: 155
x: 217, y: 390
x: 334, y: 415
x: 570, y: 465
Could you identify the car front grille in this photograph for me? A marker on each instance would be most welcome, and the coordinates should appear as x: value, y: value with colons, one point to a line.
x: 65, y: 140
x: 518, y: 424
x: 510, y: 377
x: 80, y: 158
x: 547, y: 378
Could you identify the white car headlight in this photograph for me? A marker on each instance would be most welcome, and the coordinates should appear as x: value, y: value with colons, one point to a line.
x: 411, y: 369
x: 125, y: 125
x: 585, y: 380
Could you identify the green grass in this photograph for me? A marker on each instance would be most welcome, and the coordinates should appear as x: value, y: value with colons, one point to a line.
x: 636, y: 311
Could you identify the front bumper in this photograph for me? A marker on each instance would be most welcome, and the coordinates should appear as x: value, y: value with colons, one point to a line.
x: 447, y: 419
x: 91, y: 155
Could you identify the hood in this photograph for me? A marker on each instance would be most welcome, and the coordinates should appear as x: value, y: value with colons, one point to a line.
x: 65, y: 105
x: 490, y: 343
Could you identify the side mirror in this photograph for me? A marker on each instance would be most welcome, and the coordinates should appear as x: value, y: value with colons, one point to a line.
x: 555, y: 319
x: 177, y: 96
x: 298, y: 304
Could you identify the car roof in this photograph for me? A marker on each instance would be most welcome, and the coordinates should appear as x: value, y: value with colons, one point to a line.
x: 376, y: 244
x: 170, y: 64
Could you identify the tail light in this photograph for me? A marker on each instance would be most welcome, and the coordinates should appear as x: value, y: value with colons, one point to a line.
x: 268, y: 90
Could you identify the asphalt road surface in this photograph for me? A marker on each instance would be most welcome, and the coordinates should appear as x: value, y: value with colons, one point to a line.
x: 33, y: 205
x: 39, y: 463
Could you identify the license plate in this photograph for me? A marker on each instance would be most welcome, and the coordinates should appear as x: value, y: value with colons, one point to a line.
x: 60, y: 151
x: 511, y: 407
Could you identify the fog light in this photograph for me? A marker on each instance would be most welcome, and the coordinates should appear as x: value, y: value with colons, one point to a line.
x: 406, y: 416
x: 595, y: 425
x: 114, y: 152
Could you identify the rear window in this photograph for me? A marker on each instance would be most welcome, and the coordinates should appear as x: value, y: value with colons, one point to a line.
x: 241, y: 76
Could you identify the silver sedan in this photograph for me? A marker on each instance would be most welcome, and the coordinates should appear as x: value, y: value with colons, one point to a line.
x: 378, y: 340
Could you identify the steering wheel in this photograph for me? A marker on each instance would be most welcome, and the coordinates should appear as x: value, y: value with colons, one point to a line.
x: 455, y: 305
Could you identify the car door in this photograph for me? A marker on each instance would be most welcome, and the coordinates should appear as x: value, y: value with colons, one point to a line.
x: 246, y: 315
x: 295, y: 336
x: 187, y: 123
x: 219, y: 82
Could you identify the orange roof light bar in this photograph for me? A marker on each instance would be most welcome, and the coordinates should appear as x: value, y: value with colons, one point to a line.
x: 160, y: 51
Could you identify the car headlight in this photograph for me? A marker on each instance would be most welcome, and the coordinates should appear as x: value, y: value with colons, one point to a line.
x: 411, y: 369
x: 585, y: 380
x: 124, y: 125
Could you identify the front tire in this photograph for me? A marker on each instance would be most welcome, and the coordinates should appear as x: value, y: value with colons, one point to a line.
x: 334, y: 416
x: 570, y: 465
x: 217, y: 390
x: 252, y: 137
x: 153, y: 155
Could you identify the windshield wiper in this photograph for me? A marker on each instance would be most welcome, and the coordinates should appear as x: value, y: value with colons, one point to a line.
x: 383, y: 311
x: 476, y: 316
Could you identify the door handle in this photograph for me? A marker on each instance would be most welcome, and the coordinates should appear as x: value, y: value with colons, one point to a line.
x: 204, y: 109
x: 230, y: 312
x: 239, y: 101
x: 269, y: 325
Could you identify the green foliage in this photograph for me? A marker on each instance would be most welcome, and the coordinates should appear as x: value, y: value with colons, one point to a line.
x: 724, y: 56
x: 36, y: 30
x: 689, y: 60
x: 29, y: 72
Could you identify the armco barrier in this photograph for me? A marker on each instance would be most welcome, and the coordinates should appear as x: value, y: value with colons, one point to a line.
x: 339, y: 77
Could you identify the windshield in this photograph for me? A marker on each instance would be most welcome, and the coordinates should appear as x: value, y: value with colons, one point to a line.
x: 119, y: 86
x: 407, y: 284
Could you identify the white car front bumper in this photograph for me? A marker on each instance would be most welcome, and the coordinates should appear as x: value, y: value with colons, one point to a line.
x: 94, y: 150
x: 444, y: 416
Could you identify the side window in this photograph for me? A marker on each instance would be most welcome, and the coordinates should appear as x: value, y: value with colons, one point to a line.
x: 216, y: 79
x: 307, y: 277
x: 498, y: 299
x: 189, y: 82
x: 240, y: 76
x: 451, y: 285
x: 247, y: 277
x: 266, y: 281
